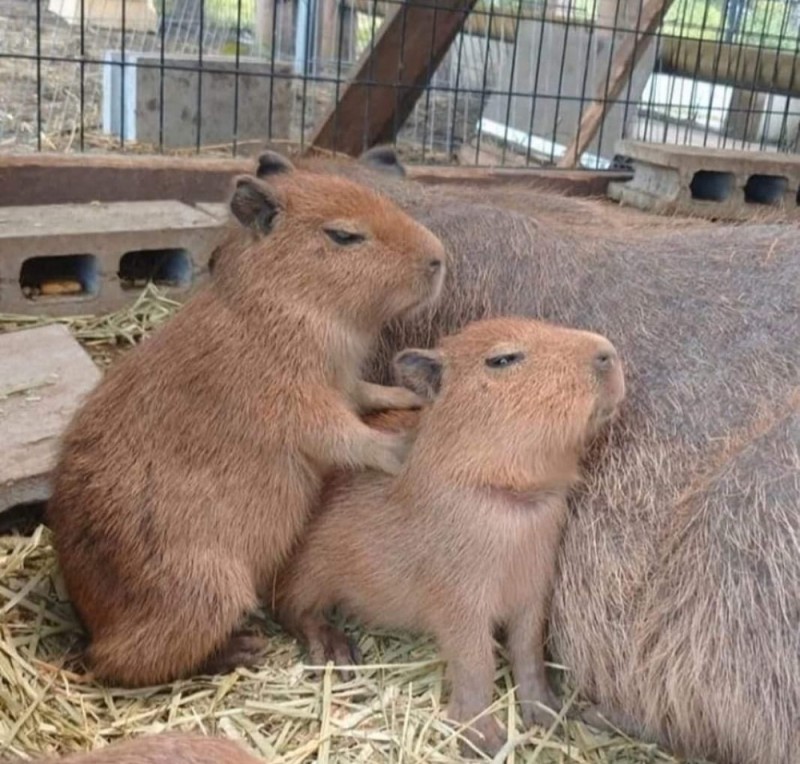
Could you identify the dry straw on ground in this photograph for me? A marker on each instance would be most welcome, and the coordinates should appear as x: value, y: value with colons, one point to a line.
x: 391, y: 712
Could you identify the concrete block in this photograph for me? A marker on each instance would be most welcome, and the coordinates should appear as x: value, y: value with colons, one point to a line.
x: 260, y: 95
x: 44, y: 377
x: 721, y: 183
x: 96, y: 258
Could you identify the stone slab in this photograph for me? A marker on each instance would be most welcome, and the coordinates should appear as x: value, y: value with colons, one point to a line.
x: 44, y: 377
x: 103, y: 234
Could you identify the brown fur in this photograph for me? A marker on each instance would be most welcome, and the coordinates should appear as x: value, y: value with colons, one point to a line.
x: 465, y: 538
x: 677, y: 604
x: 188, y: 474
x: 168, y: 748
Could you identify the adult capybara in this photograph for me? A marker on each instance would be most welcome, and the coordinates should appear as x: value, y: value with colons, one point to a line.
x: 678, y: 596
x: 466, y: 537
x: 167, y: 748
x: 188, y: 474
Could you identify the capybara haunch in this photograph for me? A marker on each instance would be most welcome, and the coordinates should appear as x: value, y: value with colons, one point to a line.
x: 465, y: 538
x: 188, y: 474
x: 678, y: 595
x: 167, y: 748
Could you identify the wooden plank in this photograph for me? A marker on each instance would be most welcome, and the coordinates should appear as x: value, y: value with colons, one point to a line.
x: 625, y: 58
x: 390, y: 77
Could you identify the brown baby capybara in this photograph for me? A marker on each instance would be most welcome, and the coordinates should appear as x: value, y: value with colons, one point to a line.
x: 189, y: 472
x: 465, y: 538
x: 166, y: 748
x: 678, y: 595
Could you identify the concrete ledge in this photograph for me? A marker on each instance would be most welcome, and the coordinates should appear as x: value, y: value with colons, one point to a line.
x: 727, y: 184
x: 95, y: 258
x: 44, y: 378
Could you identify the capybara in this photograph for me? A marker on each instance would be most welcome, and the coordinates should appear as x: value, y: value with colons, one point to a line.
x: 166, y: 748
x: 465, y: 538
x: 677, y: 601
x: 189, y: 472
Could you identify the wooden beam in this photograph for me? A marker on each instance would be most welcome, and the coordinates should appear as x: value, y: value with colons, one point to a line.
x: 390, y: 77
x: 32, y: 179
x: 625, y: 58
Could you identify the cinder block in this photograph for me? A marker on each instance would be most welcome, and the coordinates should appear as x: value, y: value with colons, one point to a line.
x: 95, y: 258
x: 44, y: 377
x: 722, y: 183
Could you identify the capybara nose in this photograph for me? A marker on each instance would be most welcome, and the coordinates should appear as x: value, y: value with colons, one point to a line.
x: 604, y: 360
x: 434, y: 264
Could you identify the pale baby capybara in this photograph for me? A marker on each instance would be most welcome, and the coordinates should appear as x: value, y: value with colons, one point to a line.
x: 465, y: 538
x: 166, y: 748
x: 677, y: 601
x: 187, y: 475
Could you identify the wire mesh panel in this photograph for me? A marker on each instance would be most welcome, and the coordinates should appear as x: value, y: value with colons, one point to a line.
x: 514, y: 86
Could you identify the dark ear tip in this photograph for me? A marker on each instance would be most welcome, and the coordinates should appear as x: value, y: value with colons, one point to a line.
x: 383, y: 157
x: 243, y: 180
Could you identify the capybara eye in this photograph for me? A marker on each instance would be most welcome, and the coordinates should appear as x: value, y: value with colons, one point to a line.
x: 501, y: 361
x: 343, y: 238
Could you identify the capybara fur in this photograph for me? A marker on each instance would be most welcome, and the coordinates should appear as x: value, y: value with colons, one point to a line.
x: 189, y: 472
x: 465, y: 538
x: 677, y: 602
x: 166, y: 748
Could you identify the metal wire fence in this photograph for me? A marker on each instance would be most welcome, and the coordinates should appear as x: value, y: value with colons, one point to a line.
x: 514, y: 87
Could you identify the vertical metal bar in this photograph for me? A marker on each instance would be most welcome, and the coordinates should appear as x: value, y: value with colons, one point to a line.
x: 514, y: 51
x: 83, y: 75
x: 644, y: 41
x: 554, y: 136
x: 236, y: 77
x: 342, y: 6
x: 429, y: 83
x: 122, y: 77
x: 161, y: 75
x: 371, y: 80
x: 601, y: 129
x: 201, y: 41
x: 272, y: 66
x: 689, y: 126
x: 38, y: 75
x: 485, y: 76
x: 535, y: 94
x: 398, y: 87
x: 583, y: 84
x: 452, y: 141
x: 310, y: 9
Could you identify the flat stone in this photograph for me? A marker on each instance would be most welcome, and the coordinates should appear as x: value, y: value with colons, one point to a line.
x: 44, y: 377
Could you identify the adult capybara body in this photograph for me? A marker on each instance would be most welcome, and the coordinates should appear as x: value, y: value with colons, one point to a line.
x: 188, y: 474
x: 465, y: 538
x: 167, y: 748
x: 678, y: 595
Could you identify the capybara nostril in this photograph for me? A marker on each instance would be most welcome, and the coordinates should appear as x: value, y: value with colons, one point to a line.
x: 434, y: 264
x: 604, y: 360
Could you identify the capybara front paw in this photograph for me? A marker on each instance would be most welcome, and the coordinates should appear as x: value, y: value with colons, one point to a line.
x: 332, y: 644
x: 486, y: 734
x: 240, y: 650
x: 541, y: 711
x: 401, y: 398
x: 392, y: 456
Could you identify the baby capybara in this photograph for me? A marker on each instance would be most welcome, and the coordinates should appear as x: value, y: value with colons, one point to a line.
x: 465, y: 538
x: 189, y: 472
x: 167, y: 748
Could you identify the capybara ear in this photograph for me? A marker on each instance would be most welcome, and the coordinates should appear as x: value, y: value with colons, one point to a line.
x: 272, y: 163
x: 383, y: 159
x: 420, y: 371
x: 255, y: 204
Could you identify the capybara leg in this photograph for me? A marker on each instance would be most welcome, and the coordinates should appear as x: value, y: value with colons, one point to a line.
x: 470, y: 667
x: 240, y: 650
x: 172, y: 636
x: 343, y: 440
x: 375, y: 397
x: 525, y: 640
x: 327, y: 643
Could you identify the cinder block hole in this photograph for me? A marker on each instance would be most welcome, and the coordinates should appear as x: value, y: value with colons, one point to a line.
x: 59, y: 276
x: 765, y: 189
x: 712, y: 186
x: 164, y: 267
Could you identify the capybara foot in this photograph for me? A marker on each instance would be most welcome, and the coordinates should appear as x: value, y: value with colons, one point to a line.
x: 392, y: 455
x: 486, y: 734
x: 541, y: 711
x: 327, y: 643
x: 608, y: 721
x: 241, y: 650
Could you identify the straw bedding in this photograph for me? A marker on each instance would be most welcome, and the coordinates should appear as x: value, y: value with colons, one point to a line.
x: 392, y: 711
